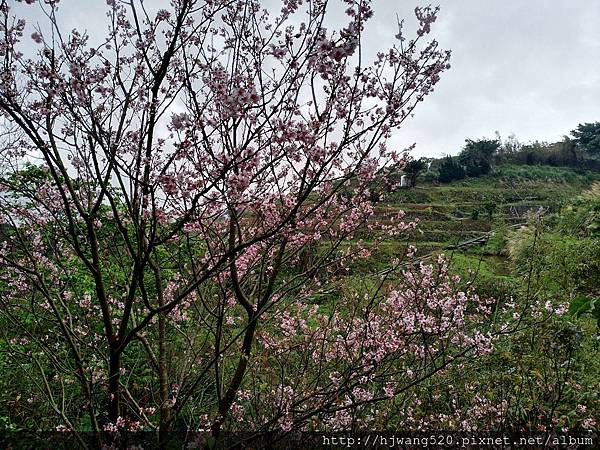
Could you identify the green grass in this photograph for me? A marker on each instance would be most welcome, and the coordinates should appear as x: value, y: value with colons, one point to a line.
x: 458, y: 211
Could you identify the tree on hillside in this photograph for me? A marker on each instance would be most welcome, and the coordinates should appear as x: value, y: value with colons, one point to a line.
x: 565, y: 153
x: 413, y: 169
x: 450, y: 170
x: 568, y: 152
x: 508, y: 147
x: 587, y: 137
x: 186, y: 164
x: 476, y: 156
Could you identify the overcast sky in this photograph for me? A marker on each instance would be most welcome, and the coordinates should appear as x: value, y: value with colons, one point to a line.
x: 529, y: 67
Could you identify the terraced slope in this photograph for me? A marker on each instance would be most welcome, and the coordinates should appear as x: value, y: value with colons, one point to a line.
x: 467, y: 211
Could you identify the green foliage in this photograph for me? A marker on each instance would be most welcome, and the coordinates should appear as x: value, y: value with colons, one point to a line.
x: 565, y: 153
x: 450, y: 170
x: 582, y: 215
x: 545, y: 175
x: 489, y: 207
x: 413, y: 168
x: 528, y: 367
x: 476, y: 156
x: 483, y: 274
x: 587, y: 137
x: 583, y: 305
x: 496, y: 244
x: 548, y: 370
x: 30, y: 173
x: 565, y: 264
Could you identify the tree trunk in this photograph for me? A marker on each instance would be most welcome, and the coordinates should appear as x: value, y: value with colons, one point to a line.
x: 165, y: 403
x: 236, y: 381
x: 114, y: 374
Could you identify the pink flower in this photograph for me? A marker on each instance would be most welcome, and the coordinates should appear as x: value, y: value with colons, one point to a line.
x: 588, y: 423
x: 162, y: 15
x: 179, y: 121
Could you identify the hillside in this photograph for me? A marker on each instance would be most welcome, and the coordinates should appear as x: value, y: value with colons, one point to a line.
x: 467, y: 210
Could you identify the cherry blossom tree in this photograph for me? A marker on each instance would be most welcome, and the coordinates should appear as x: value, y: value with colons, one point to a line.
x: 182, y: 197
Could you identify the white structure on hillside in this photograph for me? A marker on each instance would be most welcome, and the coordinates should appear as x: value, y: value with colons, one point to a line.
x: 404, y: 181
